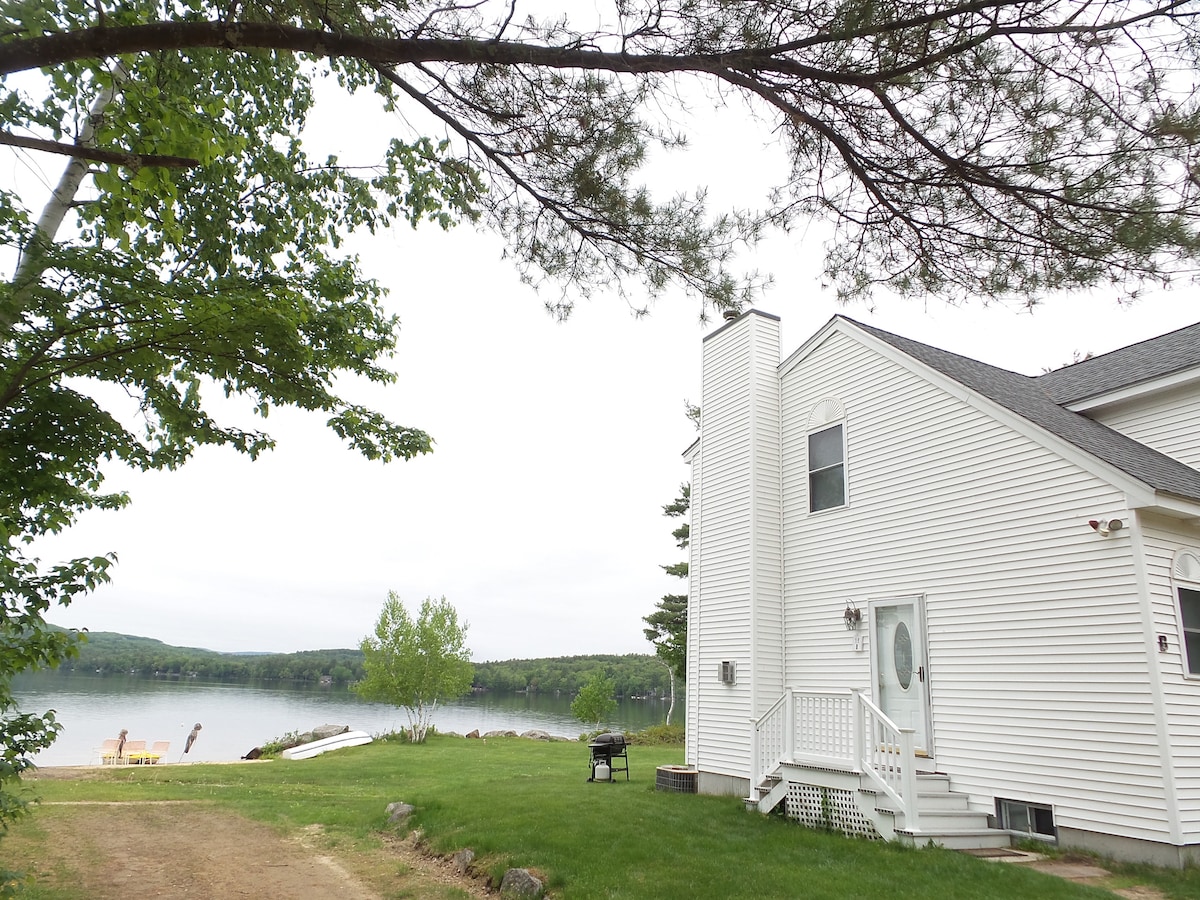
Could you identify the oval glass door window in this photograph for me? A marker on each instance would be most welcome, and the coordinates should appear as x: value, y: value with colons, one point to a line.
x: 902, y: 655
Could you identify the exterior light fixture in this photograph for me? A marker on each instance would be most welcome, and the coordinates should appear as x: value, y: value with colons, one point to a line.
x: 852, y: 616
x: 1106, y: 526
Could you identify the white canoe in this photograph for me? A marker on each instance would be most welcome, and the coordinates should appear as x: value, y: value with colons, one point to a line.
x: 337, y: 742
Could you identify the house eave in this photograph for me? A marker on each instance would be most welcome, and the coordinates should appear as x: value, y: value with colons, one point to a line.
x: 1165, y: 504
x: 1135, y: 392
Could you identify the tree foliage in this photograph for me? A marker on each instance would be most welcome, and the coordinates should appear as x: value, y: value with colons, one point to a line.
x: 177, y: 286
x: 632, y: 674
x: 415, y: 663
x: 667, y: 625
x: 594, y: 703
x: 997, y: 148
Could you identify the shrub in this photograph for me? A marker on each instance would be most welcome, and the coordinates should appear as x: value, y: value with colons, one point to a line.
x: 658, y: 736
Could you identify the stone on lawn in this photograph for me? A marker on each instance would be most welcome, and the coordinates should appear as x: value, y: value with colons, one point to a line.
x: 398, y: 812
x: 520, y: 883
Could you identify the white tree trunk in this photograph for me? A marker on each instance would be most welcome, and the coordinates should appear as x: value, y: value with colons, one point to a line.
x: 30, y: 265
x: 671, y: 708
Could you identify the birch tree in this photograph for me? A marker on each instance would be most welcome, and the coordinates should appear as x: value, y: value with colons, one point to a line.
x: 414, y: 664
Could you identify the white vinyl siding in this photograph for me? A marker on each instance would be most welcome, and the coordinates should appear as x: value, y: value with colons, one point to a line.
x: 1166, y: 422
x: 1162, y: 538
x: 736, y: 591
x: 1036, y: 650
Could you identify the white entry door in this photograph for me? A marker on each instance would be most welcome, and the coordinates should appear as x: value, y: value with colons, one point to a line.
x: 901, y: 673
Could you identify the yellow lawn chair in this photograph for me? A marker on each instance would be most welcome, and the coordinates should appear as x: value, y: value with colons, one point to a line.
x: 108, y: 752
x: 156, y: 752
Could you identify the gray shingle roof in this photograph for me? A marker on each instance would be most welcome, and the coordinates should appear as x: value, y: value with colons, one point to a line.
x: 1030, y: 398
x: 1135, y: 364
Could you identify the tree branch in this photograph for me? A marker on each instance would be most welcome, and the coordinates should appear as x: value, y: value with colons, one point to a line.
x: 126, y: 158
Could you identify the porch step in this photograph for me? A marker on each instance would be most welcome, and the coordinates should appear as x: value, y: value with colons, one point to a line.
x: 956, y: 839
x: 941, y: 801
x: 945, y: 818
x: 933, y: 783
x: 770, y: 793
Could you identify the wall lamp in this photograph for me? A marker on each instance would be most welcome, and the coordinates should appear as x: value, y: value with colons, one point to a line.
x: 852, y: 616
x: 1106, y: 526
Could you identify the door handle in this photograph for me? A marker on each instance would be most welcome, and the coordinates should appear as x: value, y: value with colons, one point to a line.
x: 921, y: 673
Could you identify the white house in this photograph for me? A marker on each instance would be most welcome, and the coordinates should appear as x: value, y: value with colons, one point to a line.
x: 929, y: 596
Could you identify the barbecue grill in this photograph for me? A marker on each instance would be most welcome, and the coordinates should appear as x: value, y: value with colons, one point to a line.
x: 609, y: 753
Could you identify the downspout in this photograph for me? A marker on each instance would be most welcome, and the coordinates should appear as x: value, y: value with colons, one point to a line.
x: 783, y: 660
x: 691, y: 696
x: 1153, y: 671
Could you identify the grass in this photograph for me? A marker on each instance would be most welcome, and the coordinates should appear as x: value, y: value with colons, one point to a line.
x: 526, y: 803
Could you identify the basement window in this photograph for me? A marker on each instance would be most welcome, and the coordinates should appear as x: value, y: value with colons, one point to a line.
x: 1029, y: 819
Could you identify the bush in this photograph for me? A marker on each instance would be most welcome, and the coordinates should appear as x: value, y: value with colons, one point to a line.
x: 654, y: 736
x: 658, y: 736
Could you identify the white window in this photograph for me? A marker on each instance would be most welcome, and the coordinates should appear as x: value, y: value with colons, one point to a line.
x: 827, y: 468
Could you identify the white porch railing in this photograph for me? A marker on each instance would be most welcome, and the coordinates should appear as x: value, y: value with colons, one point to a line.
x: 841, y: 730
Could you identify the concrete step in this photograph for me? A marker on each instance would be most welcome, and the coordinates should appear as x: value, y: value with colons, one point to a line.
x: 956, y: 839
x: 946, y: 820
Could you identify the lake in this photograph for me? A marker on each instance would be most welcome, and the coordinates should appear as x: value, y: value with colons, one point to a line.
x: 239, y: 715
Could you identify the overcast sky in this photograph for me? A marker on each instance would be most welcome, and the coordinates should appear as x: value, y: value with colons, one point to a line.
x: 539, y: 515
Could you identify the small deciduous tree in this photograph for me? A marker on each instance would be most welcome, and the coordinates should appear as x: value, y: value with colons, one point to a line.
x: 415, y: 663
x: 594, y: 703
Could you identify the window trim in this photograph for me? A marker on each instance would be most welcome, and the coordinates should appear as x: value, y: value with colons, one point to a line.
x: 1191, y: 668
x: 1185, y: 573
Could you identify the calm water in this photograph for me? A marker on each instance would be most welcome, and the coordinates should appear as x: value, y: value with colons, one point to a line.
x: 239, y: 716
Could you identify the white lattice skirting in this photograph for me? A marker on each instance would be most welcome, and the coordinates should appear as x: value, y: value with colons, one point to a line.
x: 823, y: 807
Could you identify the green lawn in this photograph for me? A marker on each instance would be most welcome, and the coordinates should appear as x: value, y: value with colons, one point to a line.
x: 525, y: 803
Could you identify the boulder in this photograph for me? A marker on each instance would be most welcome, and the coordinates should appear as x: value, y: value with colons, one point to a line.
x: 323, y: 731
x: 536, y: 735
x: 500, y: 734
x: 462, y: 860
x: 398, y: 812
x: 307, y: 737
x: 520, y: 883
x: 473, y: 734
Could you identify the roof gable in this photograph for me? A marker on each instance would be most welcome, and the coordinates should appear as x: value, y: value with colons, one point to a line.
x: 1030, y: 399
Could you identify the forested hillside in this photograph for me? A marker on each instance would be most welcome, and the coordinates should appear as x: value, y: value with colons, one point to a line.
x: 108, y: 653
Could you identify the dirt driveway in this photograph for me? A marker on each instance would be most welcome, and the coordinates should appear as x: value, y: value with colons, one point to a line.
x: 114, y: 851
